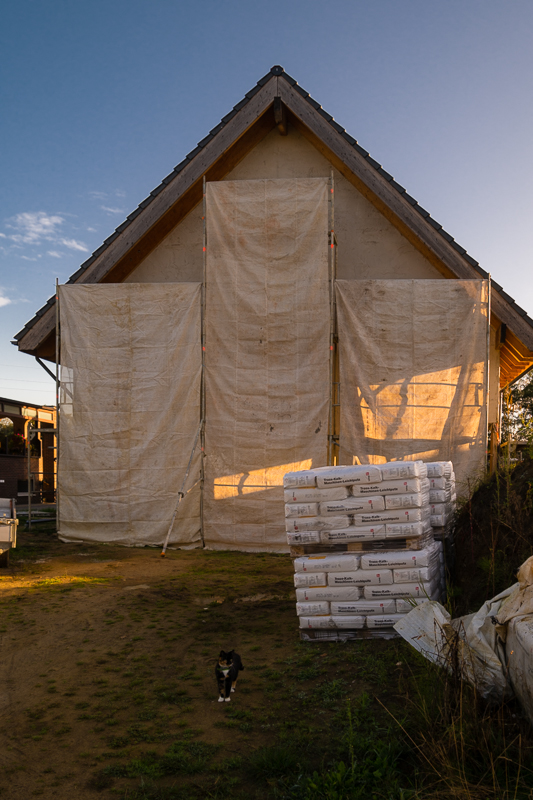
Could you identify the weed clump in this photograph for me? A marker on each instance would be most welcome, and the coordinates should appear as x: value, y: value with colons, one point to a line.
x: 494, y: 536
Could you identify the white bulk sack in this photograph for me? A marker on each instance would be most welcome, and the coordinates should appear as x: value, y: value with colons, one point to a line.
x: 404, y: 531
x: 402, y: 590
x: 392, y: 517
x: 364, y: 607
x: 312, y: 609
x: 312, y: 494
x: 327, y: 563
x: 360, y: 578
x: 354, y: 505
x: 341, y: 476
x: 346, y: 594
x: 303, y: 579
x: 413, y: 500
x: 307, y: 537
x: 301, y: 510
x: 392, y: 487
x: 405, y: 606
x: 384, y: 621
x: 424, y: 574
x: 398, y: 559
x: 402, y: 470
x: 299, y: 524
x: 440, y: 496
x: 348, y: 622
x: 438, y: 469
x: 301, y: 479
x: 353, y: 534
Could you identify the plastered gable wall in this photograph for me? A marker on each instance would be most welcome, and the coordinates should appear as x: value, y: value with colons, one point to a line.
x: 368, y: 245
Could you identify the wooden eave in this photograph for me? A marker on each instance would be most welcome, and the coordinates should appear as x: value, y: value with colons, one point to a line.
x: 278, y: 97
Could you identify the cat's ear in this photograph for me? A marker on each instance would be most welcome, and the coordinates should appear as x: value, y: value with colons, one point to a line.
x: 222, y: 656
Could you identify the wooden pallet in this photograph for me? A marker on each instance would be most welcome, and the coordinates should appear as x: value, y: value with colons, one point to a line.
x: 411, y: 543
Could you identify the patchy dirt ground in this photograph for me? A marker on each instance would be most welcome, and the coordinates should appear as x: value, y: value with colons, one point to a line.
x: 108, y: 661
x: 107, y: 690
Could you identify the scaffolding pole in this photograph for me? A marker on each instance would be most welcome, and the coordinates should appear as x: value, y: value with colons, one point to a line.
x: 202, y: 382
x: 332, y: 319
x: 487, y: 395
x: 58, y: 342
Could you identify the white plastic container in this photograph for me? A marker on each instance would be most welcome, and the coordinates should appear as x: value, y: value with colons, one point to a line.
x: 360, y: 578
x: 341, y: 562
x: 353, y: 534
x: 364, y: 607
x: 402, y: 470
x: 312, y: 494
x: 306, y: 579
x: 347, y: 594
x: 412, y: 500
x: 312, y: 609
x: 299, y: 524
x: 353, y: 622
x: 353, y: 505
x: 348, y: 476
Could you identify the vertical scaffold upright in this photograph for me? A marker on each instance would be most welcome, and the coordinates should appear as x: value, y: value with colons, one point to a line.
x: 332, y: 269
x: 58, y: 404
x: 202, y: 382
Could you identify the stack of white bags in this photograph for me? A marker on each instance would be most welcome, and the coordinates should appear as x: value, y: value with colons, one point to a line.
x: 369, y: 508
x: 442, y: 497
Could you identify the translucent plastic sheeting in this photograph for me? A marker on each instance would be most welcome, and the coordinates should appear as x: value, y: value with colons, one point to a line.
x: 267, y: 353
x: 130, y: 405
x: 413, y: 365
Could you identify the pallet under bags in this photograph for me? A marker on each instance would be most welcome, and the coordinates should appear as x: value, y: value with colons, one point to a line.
x: 346, y: 508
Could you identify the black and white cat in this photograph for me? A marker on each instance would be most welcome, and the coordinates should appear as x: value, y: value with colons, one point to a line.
x: 227, y: 670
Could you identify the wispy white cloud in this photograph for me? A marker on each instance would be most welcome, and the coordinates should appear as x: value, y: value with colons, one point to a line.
x: 4, y: 301
x: 92, y: 230
x: 112, y: 210
x: 3, y: 236
x: 99, y: 195
x: 120, y: 193
x: 32, y: 227
x: 72, y: 244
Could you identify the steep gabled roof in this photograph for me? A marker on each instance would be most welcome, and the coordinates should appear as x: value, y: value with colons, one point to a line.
x: 215, y: 155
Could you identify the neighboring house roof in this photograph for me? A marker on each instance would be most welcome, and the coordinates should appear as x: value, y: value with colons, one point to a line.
x: 261, y: 109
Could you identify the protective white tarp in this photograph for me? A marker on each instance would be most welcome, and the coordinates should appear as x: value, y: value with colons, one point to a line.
x: 267, y: 353
x: 413, y: 372
x: 130, y: 405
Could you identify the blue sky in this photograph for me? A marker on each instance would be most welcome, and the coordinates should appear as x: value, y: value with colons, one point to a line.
x: 101, y: 99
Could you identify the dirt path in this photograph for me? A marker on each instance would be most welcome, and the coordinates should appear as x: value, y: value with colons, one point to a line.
x: 108, y: 652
